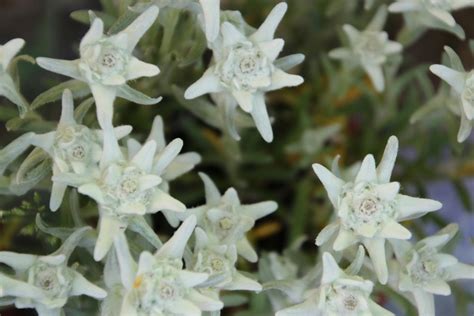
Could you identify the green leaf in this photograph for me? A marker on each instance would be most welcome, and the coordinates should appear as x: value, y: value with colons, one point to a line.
x: 454, y: 59
x: 82, y: 109
x: 78, y: 88
x: 133, y: 95
x: 34, y: 169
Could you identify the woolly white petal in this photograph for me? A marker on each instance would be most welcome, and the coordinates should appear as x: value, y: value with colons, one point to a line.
x: 164, y: 201
x: 392, y: 229
x: 331, y: 270
x: 266, y: 31
x: 208, y: 83
x: 211, y: 11
x: 259, y: 210
x: 167, y: 155
x: 231, y: 35
x: 281, y: 79
x: 212, y: 192
x: 326, y: 233
x: 138, y: 28
x: 174, y: 247
x: 367, y: 171
x: 67, y: 68
x: 81, y: 286
x: 137, y: 69
x: 9, y: 50
x: 144, y: 158
x: 455, y: 79
x: 109, y: 227
x: 95, y: 33
x: 272, y: 48
x: 16, y: 260
x: 376, y: 249
x: 376, y: 76
x: 385, y: 167
x: 205, y: 303
x: 261, y: 118
x: 331, y: 183
x: 411, y: 207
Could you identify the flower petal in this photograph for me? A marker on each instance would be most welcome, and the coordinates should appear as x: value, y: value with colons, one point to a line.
x: 272, y: 48
x: 411, y: 207
x: 205, y: 303
x: 164, y: 201
x: 344, y: 239
x: 94, y: 191
x: 281, y: 79
x: 459, y: 271
x: 394, y: 230
x: 137, y: 69
x: 213, y: 195
x: 190, y: 279
x: 208, y: 83
x: 18, y: 261
x: 67, y: 68
x: 167, y: 155
x: 331, y: 183
x: 443, y: 15
x: 144, y: 158
x: 438, y: 287
x: 341, y: 53
x: 95, y: 33
x: 376, y: 76
x: 138, y: 28
x: 367, y: 171
x: 104, y: 101
x: 331, y: 270
x: 259, y: 210
x: 403, y: 6
x: 109, y: 227
x: 245, y: 249
x: 81, y: 286
x: 388, y: 191
x: 174, y: 247
x: 9, y: 50
x: 57, y: 194
x: 385, y: 167
x: 266, y: 31
x: 261, y: 118
x: 455, y: 79
x: 242, y: 283
x: 245, y: 99
x: 376, y: 249
x: 211, y: 11
x: 326, y: 233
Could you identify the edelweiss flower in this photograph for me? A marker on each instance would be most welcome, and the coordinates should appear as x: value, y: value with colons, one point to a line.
x: 369, y: 208
x: 226, y: 221
x: 219, y: 262
x: 243, y: 67
x: 160, y: 286
x: 462, y: 83
x: 369, y: 48
x: 45, y: 283
x: 168, y: 163
x: 73, y: 147
x: 424, y: 271
x: 124, y: 189
x: 106, y: 64
x: 432, y: 13
x: 339, y: 294
x: 8, y: 88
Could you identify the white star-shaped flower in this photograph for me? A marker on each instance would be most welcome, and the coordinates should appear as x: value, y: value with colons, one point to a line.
x: 339, y: 294
x: 462, y: 83
x: 369, y: 208
x: 73, y: 147
x: 168, y: 163
x: 124, y: 189
x: 424, y: 270
x: 106, y: 64
x: 160, y: 285
x: 45, y: 283
x: 226, y: 220
x: 219, y: 262
x: 243, y: 67
x: 8, y: 88
x: 369, y: 48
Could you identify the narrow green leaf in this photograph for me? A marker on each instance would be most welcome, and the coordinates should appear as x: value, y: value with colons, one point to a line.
x: 78, y: 88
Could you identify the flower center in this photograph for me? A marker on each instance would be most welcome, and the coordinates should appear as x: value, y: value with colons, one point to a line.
x: 346, y: 300
x: 362, y: 210
x: 217, y: 264
x: 55, y: 281
x: 166, y: 291
x: 370, y: 47
x: 245, y: 67
x: 129, y: 186
x: 226, y: 223
x: 350, y: 303
x: 103, y: 60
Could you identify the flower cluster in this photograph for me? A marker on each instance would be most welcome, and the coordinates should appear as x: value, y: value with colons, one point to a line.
x: 95, y: 170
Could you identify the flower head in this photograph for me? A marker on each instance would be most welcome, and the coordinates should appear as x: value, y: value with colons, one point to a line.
x: 106, y: 64
x: 46, y: 282
x: 462, y: 84
x: 160, y: 284
x: 369, y: 208
x: 124, y: 189
x: 8, y: 88
x: 219, y: 262
x: 424, y: 270
x: 338, y: 294
x: 369, y: 48
x: 226, y: 220
x: 244, y: 68
x: 73, y: 147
